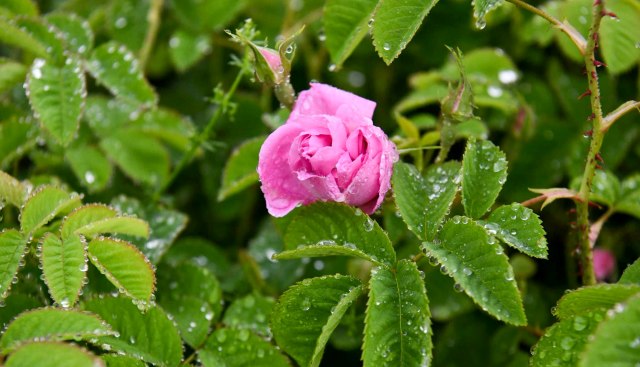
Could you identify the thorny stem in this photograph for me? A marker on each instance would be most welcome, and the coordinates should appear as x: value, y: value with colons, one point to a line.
x: 204, y: 135
x: 582, y: 206
x: 571, y: 32
x: 153, y: 17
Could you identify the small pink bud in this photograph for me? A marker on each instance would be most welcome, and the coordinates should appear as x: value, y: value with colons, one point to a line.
x: 603, y: 263
x: 272, y: 57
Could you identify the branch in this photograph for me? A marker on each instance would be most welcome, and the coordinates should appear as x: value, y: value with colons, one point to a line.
x: 618, y: 113
x: 565, y: 27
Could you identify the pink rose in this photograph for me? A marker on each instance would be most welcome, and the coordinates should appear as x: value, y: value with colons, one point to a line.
x: 328, y: 150
x: 603, y: 263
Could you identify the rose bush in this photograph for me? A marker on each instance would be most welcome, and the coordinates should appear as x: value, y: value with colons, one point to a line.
x: 327, y: 150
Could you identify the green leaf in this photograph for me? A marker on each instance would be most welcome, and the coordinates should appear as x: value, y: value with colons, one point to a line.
x: 585, y: 299
x: 307, y: 313
x: 240, y: 171
x: 278, y: 275
x: 578, y: 14
x: 116, y: 68
x: 563, y: 342
x: 424, y: 202
x: 14, y: 36
x: 22, y: 7
x: 187, y: 279
x: 192, y: 295
x: 200, y: 252
x: 75, y: 31
x: 484, y: 171
x: 193, y: 317
x: 115, y: 360
x: 106, y: 115
x: 121, y: 225
x: 166, y: 125
x: 64, y: 265
x: 395, y: 23
x: 445, y: 301
x: 345, y: 25
x: 206, y: 15
x: 90, y: 166
x: 629, y: 200
x: 165, y: 226
x: 15, y: 304
x: 250, y: 312
x: 125, y: 266
x: 240, y: 348
x: 619, y: 36
x: 11, y: 73
x: 85, y: 215
x: 127, y: 22
x: 631, y: 274
x: 47, y: 35
x: 150, y: 336
x: 616, y: 341
x: 140, y: 156
x: 481, y: 8
x: 479, y: 265
x: 17, y: 136
x: 520, y: 228
x: 52, y: 324
x: 50, y: 354
x: 397, y: 325
x: 43, y: 205
x: 57, y: 96
x: 11, y: 190
x: 12, y: 250
x: 325, y: 229
x: 186, y: 48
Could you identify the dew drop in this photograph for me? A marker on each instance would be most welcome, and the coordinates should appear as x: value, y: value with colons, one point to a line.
x: 306, y: 304
x: 368, y: 225
x: 386, y: 47
x: 121, y: 23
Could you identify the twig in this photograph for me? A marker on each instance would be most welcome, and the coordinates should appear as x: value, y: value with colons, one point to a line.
x: 206, y: 132
x: 153, y: 17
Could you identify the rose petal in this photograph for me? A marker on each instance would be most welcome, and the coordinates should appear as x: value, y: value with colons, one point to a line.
x: 324, y: 161
x: 324, y: 99
x: 282, y: 189
x: 365, y: 185
x: 321, y: 187
x: 272, y: 57
x: 338, y: 134
x: 346, y: 169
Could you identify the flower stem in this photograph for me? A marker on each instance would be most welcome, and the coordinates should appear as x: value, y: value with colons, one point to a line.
x: 204, y: 135
x: 569, y: 30
x: 582, y: 206
x: 153, y: 17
